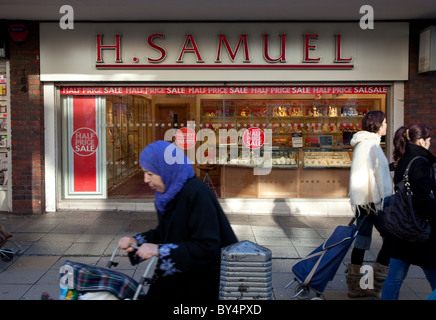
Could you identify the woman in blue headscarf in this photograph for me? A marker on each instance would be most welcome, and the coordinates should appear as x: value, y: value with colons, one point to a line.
x: 192, y: 229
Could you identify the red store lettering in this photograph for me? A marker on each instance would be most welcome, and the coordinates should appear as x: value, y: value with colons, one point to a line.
x: 190, y: 45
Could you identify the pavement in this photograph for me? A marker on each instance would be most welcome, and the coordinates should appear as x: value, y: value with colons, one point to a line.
x: 48, y: 240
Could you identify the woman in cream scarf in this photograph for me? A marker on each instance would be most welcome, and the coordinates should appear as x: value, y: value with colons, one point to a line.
x: 370, y: 183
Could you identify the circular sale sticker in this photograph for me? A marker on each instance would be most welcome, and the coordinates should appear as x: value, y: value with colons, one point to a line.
x: 186, y: 138
x: 254, y: 138
x: 84, y: 142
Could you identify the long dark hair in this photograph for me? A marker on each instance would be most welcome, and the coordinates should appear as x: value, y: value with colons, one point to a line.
x: 405, y: 135
x: 373, y: 120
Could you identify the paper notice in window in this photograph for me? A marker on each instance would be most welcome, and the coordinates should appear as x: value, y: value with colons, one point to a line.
x: 297, y: 140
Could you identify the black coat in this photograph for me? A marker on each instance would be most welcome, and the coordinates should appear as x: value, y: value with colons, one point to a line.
x: 194, y: 222
x: 422, y: 182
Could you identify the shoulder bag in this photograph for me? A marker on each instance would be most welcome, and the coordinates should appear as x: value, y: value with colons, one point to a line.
x: 400, y: 220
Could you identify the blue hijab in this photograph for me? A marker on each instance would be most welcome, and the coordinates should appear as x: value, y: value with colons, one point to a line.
x: 168, y: 161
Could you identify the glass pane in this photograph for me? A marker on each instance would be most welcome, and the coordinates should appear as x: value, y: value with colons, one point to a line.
x: 301, y: 131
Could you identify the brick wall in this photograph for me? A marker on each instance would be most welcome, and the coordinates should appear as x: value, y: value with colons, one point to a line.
x: 27, y: 125
x: 420, y: 90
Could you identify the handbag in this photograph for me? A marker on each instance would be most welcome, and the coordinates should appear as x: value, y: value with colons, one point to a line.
x: 400, y: 220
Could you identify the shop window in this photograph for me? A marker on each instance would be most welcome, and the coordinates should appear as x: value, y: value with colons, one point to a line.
x: 307, y: 137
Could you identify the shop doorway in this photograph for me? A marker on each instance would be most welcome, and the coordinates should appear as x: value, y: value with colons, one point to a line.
x: 170, y: 116
x: 127, y: 133
x: 131, y: 126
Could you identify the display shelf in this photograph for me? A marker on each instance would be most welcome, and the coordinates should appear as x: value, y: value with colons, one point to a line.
x: 327, y: 124
x: 285, y: 158
x: 280, y: 158
x: 326, y: 158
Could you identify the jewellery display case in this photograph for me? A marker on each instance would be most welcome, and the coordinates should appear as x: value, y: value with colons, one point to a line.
x: 326, y: 158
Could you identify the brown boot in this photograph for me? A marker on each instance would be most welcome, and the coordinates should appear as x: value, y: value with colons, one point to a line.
x: 380, y: 274
x: 353, y: 281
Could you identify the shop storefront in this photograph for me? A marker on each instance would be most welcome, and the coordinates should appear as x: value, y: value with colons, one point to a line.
x: 264, y: 111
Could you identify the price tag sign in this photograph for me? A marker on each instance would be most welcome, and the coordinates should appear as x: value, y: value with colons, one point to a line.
x: 84, y: 142
x: 254, y: 138
x: 186, y: 138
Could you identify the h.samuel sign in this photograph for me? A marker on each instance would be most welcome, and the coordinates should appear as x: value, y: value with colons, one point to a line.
x: 223, y: 52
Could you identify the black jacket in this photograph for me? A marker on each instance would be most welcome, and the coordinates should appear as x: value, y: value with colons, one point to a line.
x: 423, y: 186
x: 193, y: 229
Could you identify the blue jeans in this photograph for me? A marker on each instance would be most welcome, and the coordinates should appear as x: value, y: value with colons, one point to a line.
x: 397, y: 273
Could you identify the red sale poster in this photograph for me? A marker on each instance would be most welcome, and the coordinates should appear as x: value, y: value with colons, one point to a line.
x: 84, y: 143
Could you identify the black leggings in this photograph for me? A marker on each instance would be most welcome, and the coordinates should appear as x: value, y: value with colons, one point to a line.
x: 370, y: 220
x: 357, y: 256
